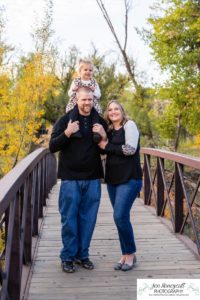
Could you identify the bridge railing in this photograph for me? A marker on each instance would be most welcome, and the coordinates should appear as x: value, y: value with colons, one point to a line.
x: 23, y: 193
x: 167, y: 186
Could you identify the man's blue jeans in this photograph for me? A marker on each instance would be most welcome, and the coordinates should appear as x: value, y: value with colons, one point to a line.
x: 78, y: 205
x: 122, y: 197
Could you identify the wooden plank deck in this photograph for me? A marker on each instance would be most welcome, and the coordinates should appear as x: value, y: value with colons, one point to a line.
x: 160, y: 254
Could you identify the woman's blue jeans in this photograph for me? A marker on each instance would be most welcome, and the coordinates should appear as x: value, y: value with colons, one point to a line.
x: 122, y: 197
x: 78, y: 205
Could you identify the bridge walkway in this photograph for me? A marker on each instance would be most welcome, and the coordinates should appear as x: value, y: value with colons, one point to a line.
x: 160, y: 254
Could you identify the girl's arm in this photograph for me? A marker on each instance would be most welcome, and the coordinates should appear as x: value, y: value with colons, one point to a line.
x: 97, y: 105
x: 73, y: 88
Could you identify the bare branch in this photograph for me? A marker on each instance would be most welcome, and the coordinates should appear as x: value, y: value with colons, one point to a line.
x: 108, y: 20
x: 126, y: 4
x: 128, y: 65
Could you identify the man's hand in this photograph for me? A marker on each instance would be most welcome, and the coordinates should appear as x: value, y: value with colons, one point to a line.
x: 100, y: 130
x: 72, y: 127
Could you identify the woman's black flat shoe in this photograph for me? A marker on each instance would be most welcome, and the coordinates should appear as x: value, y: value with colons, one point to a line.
x: 126, y: 267
x: 118, y: 266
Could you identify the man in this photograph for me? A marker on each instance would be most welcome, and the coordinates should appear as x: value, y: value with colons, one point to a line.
x: 80, y: 170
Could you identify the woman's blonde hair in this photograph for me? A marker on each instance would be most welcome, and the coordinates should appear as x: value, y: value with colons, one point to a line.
x: 84, y: 61
x: 124, y: 115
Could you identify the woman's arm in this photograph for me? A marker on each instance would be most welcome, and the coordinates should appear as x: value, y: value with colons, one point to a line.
x: 131, y: 141
x: 100, y: 129
x: 131, y: 138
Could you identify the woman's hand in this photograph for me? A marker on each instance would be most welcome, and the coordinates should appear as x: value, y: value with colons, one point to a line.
x: 103, y: 144
x: 100, y: 130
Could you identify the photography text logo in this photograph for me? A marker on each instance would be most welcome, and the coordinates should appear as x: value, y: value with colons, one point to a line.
x: 169, y: 289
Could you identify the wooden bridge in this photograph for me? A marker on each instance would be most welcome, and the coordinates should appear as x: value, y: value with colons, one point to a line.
x: 30, y: 224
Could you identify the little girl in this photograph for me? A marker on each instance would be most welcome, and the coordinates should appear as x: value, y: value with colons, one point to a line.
x: 85, y: 79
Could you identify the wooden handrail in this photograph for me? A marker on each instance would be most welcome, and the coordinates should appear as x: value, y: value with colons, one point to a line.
x: 23, y: 193
x: 159, y: 190
x: 187, y: 160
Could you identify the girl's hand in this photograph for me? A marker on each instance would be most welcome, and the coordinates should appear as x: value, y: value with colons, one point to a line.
x: 75, y: 88
x: 92, y: 88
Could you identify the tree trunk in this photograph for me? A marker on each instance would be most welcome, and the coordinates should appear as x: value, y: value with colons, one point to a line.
x: 20, y: 145
x: 178, y: 130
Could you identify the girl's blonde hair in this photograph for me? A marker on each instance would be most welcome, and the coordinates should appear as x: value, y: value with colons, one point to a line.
x: 124, y: 115
x: 84, y: 61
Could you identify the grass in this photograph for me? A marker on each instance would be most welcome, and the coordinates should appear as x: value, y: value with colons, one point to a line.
x: 190, y: 147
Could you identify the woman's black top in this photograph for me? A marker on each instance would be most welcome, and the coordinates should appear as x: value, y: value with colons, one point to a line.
x: 119, y: 167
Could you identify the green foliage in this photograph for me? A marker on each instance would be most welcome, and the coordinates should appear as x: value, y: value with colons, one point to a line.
x: 175, y: 38
x: 175, y: 41
x: 111, y: 84
x: 140, y: 113
x: 58, y: 96
x: 38, y: 88
x: 22, y: 108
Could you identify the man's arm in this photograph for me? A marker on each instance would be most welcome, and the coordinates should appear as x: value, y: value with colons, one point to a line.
x: 61, y: 133
x: 58, y: 137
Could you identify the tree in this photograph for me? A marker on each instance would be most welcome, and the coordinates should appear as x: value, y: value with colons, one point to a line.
x: 128, y: 61
x: 112, y: 84
x: 22, y: 110
x: 175, y: 41
x: 58, y: 96
x: 5, y: 48
x: 22, y: 100
x: 6, y: 84
x: 43, y: 31
x: 138, y: 95
x: 174, y: 38
x: 129, y: 64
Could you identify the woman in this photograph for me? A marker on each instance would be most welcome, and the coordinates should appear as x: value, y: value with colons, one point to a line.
x: 123, y: 176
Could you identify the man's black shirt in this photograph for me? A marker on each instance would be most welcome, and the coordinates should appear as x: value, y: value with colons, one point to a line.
x: 79, y: 158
